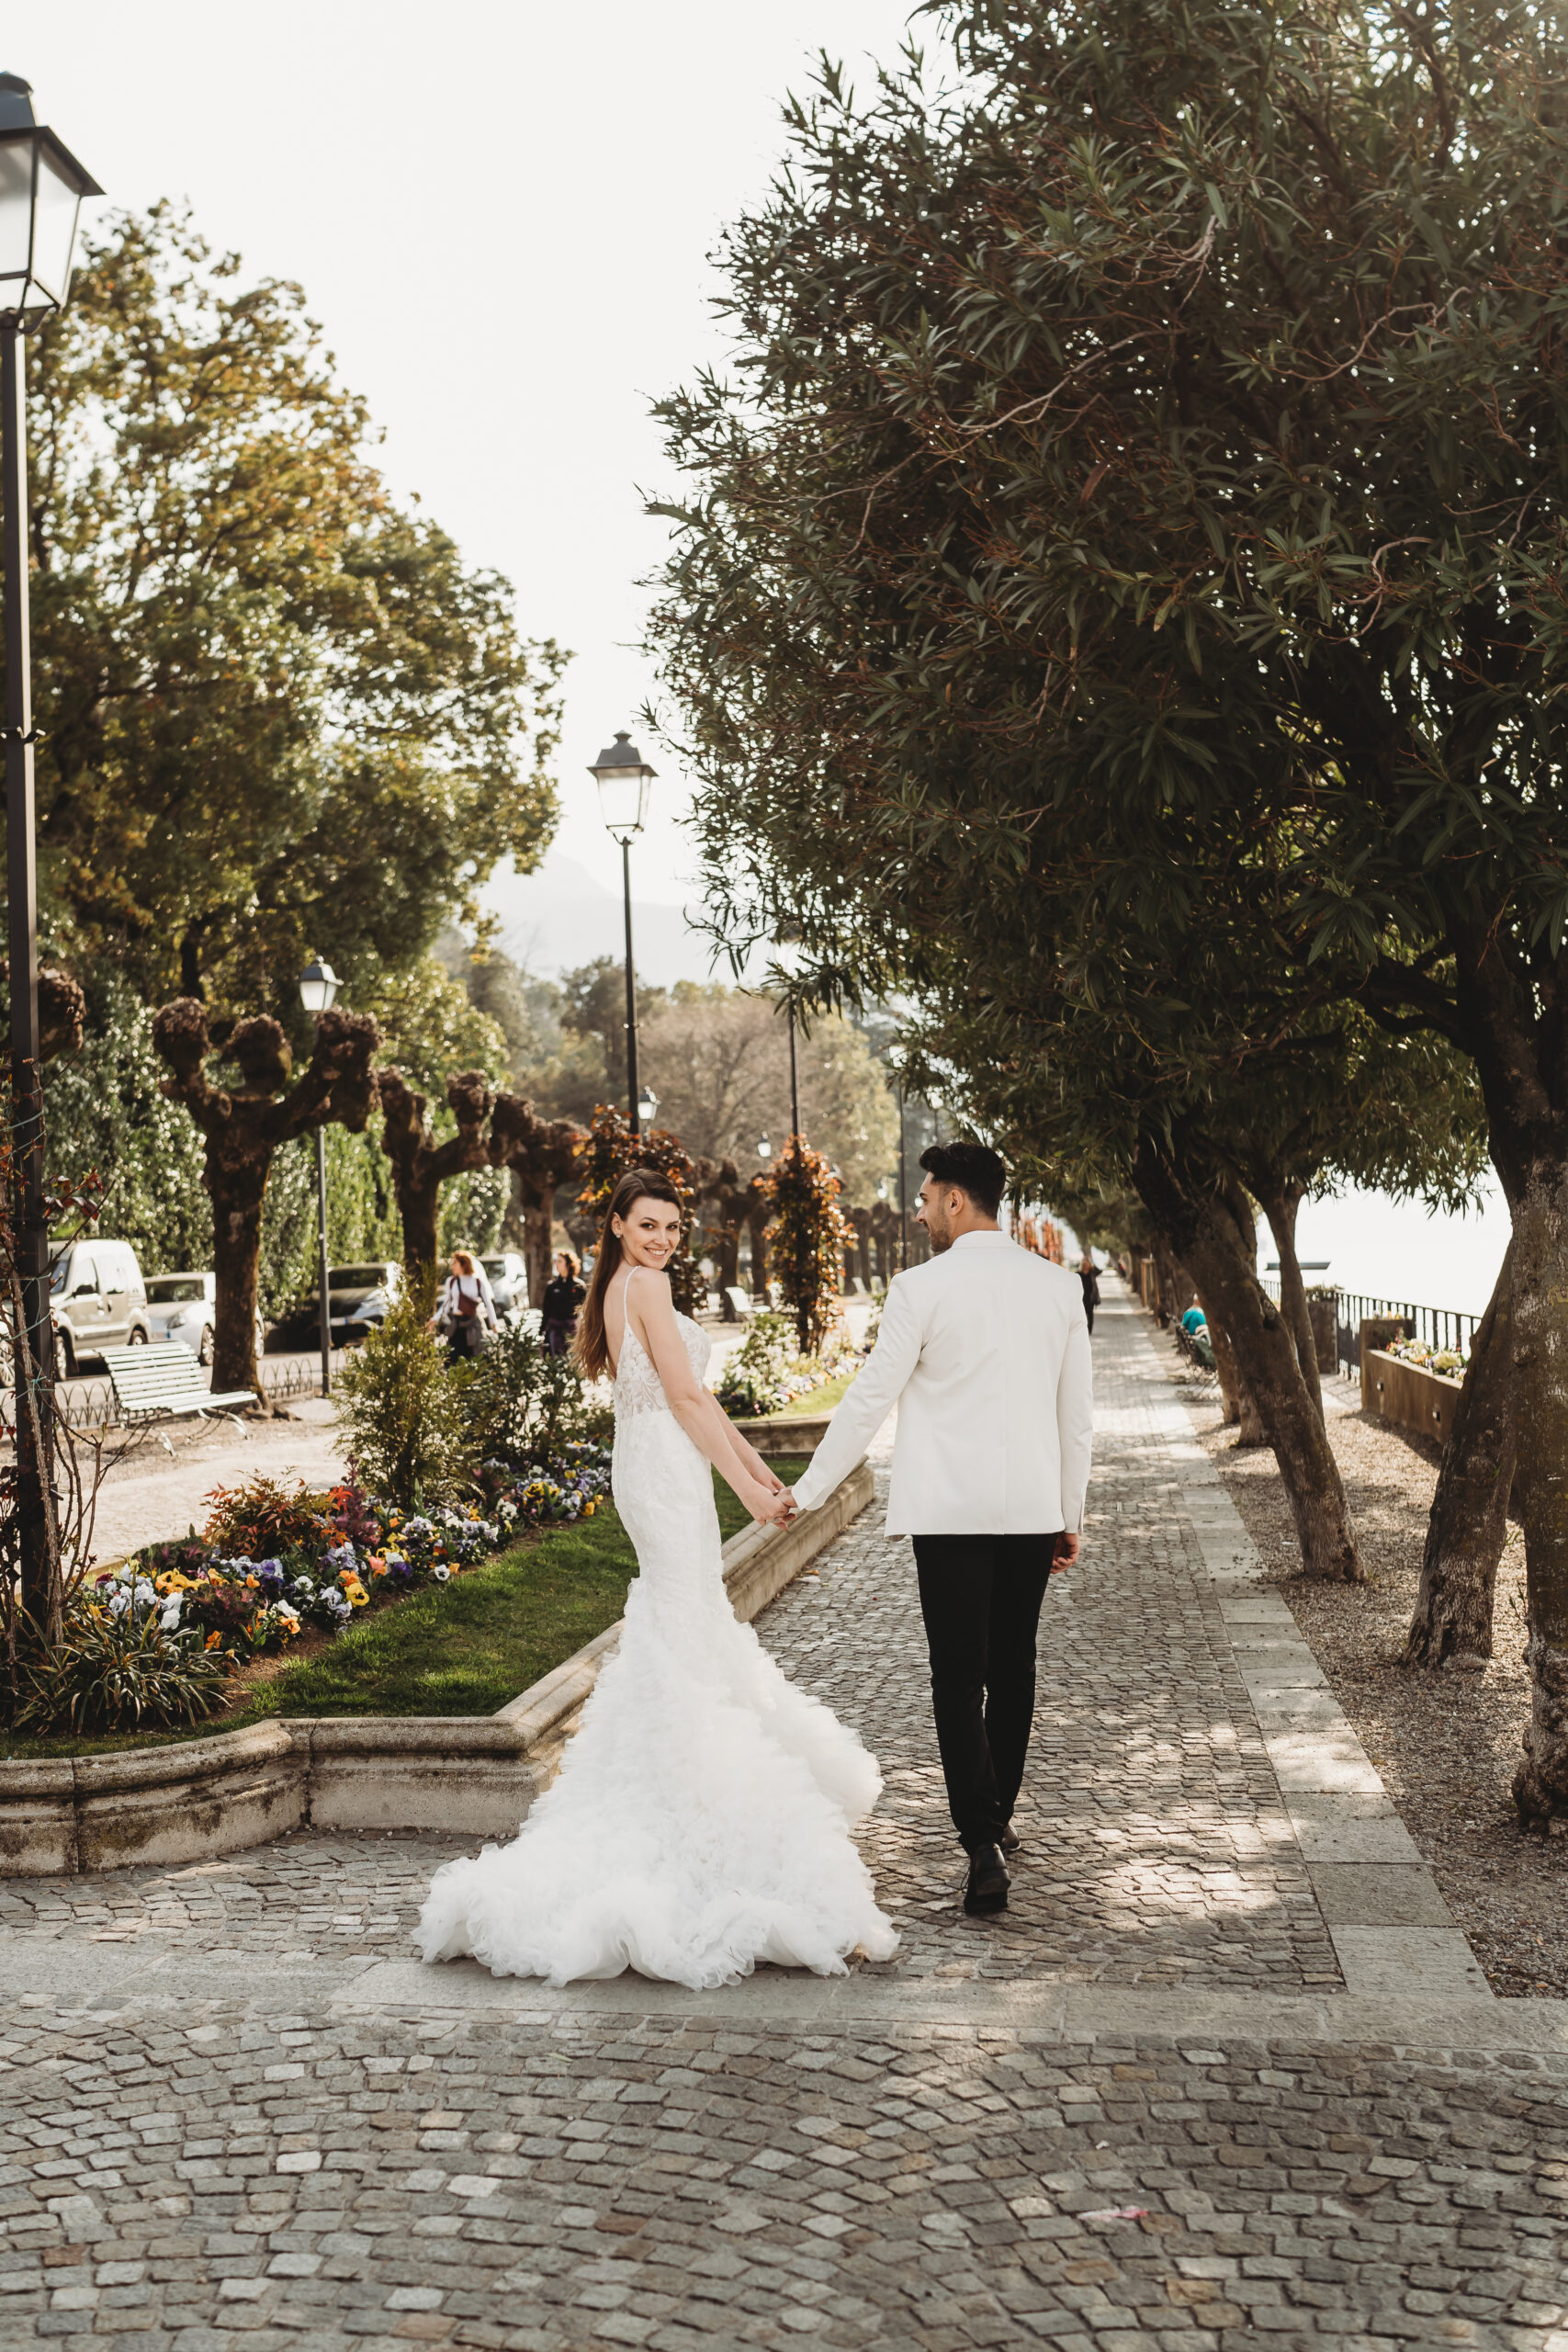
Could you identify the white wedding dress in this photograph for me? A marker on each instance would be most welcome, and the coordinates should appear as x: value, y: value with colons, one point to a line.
x: 700, y: 1822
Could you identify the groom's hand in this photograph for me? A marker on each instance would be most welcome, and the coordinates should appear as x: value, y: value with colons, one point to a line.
x: 1067, y: 1547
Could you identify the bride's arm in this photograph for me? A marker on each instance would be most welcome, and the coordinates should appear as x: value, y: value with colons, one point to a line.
x: 650, y: 1308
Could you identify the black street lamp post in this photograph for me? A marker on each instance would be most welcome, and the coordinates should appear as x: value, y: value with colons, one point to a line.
x: 41, y: 187
x: 319, y: 985
x: 622, y: 779
x: 789, y: 935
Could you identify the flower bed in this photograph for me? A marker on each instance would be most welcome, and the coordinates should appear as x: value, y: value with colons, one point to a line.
x: 1448, y: 1364
x: 336, y: 1554
x: 767, y: 1371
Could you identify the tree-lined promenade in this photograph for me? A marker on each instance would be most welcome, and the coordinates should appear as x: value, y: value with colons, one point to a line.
x: 1120, y: 603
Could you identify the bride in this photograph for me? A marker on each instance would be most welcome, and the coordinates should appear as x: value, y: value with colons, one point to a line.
x: 700, y: 1819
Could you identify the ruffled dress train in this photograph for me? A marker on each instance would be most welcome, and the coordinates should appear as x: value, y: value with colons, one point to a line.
x: 700, y: 1822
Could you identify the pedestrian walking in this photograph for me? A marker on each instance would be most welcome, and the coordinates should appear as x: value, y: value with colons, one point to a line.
x: 466, y: 1315
x: 564, y: 1293
x: 1090, y: 1281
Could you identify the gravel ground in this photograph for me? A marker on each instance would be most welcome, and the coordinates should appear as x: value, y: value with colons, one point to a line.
x: 1445, y: 1743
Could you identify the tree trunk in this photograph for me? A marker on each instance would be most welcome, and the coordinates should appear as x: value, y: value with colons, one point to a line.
x: 1225, y: 1366
x: 1539, y: 1286
x: 758, y: 1228
x: 1280, y: 1209
x: 1469, y: 1525
x: 1202, y: 1232
x: 238, y: 1188
x: 727, y: 1250
x: 538, y: 1221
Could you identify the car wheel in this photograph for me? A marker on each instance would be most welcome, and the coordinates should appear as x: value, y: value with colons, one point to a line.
x: 137, y: 1339
x: 205, y: 1353
x: 65, y: 1361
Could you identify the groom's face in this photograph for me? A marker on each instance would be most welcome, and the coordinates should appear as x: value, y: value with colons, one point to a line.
x: 935, y: 1209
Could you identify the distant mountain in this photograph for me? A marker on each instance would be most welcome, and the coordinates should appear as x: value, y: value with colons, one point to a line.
x: 560, y: 917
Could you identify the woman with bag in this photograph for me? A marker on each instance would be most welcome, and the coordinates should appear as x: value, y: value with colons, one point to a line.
x: 467, y: 1312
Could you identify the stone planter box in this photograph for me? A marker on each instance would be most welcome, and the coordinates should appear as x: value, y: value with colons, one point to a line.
x: 195, y: 1799
x: 1408, y: 1394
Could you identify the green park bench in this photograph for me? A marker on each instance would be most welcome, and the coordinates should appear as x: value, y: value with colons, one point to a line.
x: 155, y: 1384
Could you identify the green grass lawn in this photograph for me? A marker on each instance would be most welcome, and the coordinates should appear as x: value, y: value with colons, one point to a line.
x: 463, y: 1651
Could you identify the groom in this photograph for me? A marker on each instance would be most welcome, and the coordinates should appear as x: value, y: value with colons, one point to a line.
x: 985, y: 1351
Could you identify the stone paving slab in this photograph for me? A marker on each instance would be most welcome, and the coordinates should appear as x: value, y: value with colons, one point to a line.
x: 214, y: 2181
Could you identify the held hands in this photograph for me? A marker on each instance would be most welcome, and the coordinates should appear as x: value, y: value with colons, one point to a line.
x: 771, y: 1504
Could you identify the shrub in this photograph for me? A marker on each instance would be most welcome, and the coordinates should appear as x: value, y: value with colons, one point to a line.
x: 404, y: 1407
x: 262, y: 1517
x: 119, y: 1672
x: 767, y: 1370
x: 527, y: 1405
x: 808, y: 1238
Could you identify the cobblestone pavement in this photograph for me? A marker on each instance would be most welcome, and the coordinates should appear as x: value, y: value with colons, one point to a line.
x: 1140, y: 2115
x: 1157, y: 1849
x: 209, y: 2184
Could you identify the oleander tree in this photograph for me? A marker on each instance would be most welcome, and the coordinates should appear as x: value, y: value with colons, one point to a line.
x: 1137, y: 513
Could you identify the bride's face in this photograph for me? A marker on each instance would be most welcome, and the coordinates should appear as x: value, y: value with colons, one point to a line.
x: 648, y: 1232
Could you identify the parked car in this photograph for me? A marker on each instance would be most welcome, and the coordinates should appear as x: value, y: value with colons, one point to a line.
x: 183, y: 1307
x: 367, y: 1316
x: 508, y: 1282
x: 97, y: 1299
x: 347, y: 1289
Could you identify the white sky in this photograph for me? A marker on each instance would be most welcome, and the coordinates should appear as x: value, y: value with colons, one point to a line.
x: 500, y: 215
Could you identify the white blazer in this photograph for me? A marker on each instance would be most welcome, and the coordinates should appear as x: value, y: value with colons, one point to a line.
x: 985, y: 1352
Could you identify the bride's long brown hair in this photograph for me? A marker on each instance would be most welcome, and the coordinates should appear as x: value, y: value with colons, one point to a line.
x: 592, y: 1353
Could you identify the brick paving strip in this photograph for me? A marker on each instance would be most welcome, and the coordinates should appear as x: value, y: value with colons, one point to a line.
x: 1225, y: 2077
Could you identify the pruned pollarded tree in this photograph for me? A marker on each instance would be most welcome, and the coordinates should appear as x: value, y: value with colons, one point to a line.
x: 1469, y: 1525
x: 420, y: 1165
x: 542, y: 1155
x: 244, y: 1126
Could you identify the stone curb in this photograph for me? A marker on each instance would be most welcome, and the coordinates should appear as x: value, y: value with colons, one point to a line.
x: 192, y: 1800
x: 1392, y: 1933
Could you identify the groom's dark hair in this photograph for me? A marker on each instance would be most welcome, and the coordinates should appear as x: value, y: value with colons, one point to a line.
x: 972, y: 1167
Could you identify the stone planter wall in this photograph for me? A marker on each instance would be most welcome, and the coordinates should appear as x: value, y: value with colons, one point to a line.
x: 195, y: 1799
x: 1407, y: 1395
x: 778, y: 1434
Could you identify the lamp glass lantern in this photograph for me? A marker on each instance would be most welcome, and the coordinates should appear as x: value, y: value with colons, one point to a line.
x: 648, y: 1106
x: 623, y: 776
x: 319, y: 985
x: 764, y: 1149
x: 41, y: 187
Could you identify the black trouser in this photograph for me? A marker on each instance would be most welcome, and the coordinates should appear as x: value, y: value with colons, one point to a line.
x: 981, y: 1596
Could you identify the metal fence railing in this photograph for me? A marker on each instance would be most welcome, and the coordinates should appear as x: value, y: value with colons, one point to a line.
x: 1437, y: 1326
x: 88, y: 1402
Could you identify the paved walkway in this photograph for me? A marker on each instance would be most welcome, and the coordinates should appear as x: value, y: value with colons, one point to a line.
x: 1225, y: 2077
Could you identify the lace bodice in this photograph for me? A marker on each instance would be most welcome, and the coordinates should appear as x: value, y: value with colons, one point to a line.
x: 639, y: 1388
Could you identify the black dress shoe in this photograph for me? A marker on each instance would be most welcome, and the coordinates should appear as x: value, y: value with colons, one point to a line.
x: 1008, y: 1840
x: 989, y: 1883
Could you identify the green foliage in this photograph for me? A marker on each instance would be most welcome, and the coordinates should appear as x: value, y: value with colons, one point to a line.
x: 525, y: 1404
x: 103, y: 1109
x: 1141, y: 662
x: 807, y: 1246
x: 403, y: 1407
x: 473, y: 1210
x: 115, y: 1674
x: 277, y: 709
x: 261, y: 1519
